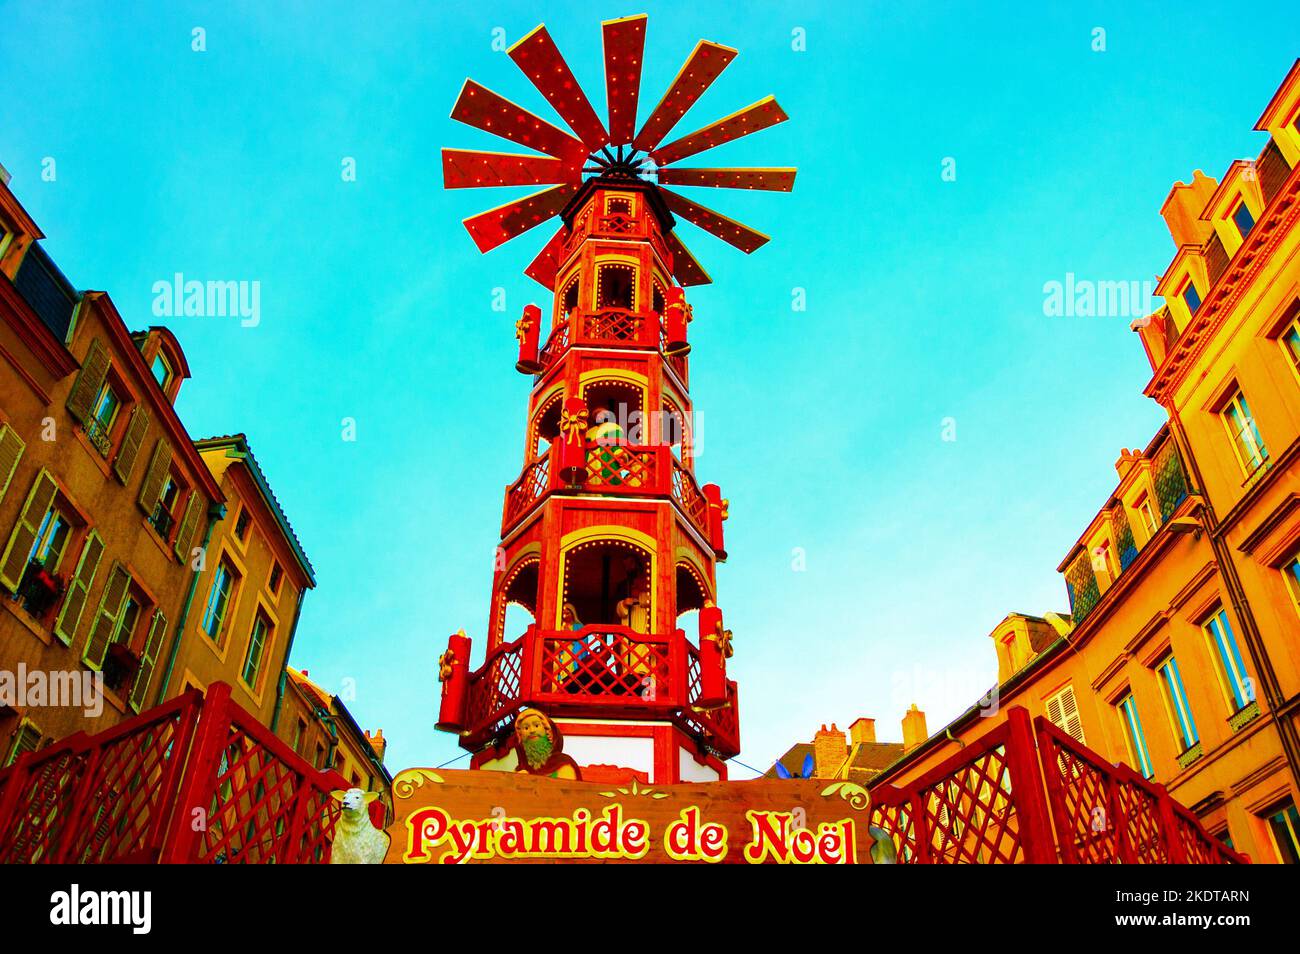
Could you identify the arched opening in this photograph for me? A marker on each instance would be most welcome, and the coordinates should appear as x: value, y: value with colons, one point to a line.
x: 672, y: 429
x: 616, y: 286
x: 517, y: 608
x: 657, y: 301
x: 618, y: 205
x: 617, y: 403
x: 691, y: 591
x: 607, y: 582
x: 568, y: 298
x: 546, y: 425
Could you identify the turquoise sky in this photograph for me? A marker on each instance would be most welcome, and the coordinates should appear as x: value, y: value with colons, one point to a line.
x: 823, y: 427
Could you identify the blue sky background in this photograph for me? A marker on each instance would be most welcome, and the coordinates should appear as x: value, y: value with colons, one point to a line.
x: 924, y: 300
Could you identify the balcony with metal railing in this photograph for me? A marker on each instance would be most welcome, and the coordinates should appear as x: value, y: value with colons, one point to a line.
x: 593, y: 671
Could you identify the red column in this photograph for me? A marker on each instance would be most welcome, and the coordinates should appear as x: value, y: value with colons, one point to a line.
x: 715, y: 647
x: 717, y: 514
x: 573, y: 441
x: 676, y: 317
x: 528, y: 330
x: 453, y: 673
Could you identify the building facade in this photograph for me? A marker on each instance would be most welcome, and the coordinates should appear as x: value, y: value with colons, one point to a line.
x: 103, y: 497
x: 318, y: 726
x: 1181, y: 652
x: 132, y: 557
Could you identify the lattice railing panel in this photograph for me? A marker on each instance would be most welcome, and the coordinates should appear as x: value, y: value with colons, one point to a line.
x: 896, y: 821
x: 555, y: 345
x: 621, y: 466
x: 40, y: 815
x: 127, y: 794
x: 529, y: 488
x: 615, y: 324
x: 689, y: 498
x: 495, y: 690
x: 596, y: 663
x: 251, y: 809
x: 970, y: 816
x: 1085, y: 798
x: 1142, y: 827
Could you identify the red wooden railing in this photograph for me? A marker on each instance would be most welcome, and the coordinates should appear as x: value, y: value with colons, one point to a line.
x: 195, y: 780
x: 588, y: 671
x: 628, y: 470
x: 1010, y: 797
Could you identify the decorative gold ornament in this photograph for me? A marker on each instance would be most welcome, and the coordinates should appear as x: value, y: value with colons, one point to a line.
x: 725, y: 506
x: 857, y: 796
x: 409, y: 780
x: 445, y: 663
x: 571, y: 422
x: 522, y: 327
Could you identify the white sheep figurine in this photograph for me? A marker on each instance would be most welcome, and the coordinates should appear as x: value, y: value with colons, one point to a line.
x: 356, y: 840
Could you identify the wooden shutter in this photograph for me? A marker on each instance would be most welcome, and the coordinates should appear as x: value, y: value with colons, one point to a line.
x: 23, y: 538
x: 11, y: 449
x: 74, y: 603
x: 94, y: 369
x: 27, y: 738
x: 155, y: 478
x: 189, y: 523
x: 110, y: 608
x: 124, y: 463
x: 1063, y: 712
x: 157, y: 630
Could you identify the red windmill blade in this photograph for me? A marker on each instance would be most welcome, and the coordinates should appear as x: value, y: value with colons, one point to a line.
x: 624, y: 46
x: 702, y: 67
x: 765, y: 179
x: 540, y: 59
x: 613, y: 154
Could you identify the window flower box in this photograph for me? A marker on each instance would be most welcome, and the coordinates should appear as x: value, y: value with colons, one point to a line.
x: 120, y: 666
x: 39, y: 589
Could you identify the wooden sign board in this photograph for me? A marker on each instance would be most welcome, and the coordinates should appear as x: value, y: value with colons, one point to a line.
x: 458, y: 816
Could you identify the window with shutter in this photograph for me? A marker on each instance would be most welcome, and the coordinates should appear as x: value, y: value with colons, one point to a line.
x: 14, y: 562
x: 90, y: 381
x: 106, y: 618
x: 26, y: 739
x: 74, y: 603
x: 11, y: 450
x: 124, y: 463
x: 157, y: 630
x: 189, y: 523
x: 156, y: 476
x: 1063, y: 712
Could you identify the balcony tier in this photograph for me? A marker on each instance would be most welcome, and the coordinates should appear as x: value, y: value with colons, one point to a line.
x: 622, y: 470
x: 594, y: 672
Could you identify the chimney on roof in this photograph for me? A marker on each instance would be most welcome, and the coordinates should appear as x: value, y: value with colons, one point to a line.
x: 862, y: 730
x: 829, y: 751
x: 1183, y: 207
x: 377, y: 743
x: 1127, y: 458
x: 914, y: 731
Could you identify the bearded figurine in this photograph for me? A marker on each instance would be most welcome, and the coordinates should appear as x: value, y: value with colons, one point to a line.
x: 540, y: 747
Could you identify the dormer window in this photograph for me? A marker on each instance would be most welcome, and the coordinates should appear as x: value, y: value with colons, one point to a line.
x: 1191, y: 297
x: 1242, y: 218
x: 162, y: 372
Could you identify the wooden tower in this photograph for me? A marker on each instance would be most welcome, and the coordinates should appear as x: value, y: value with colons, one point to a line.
x: 607, y: 538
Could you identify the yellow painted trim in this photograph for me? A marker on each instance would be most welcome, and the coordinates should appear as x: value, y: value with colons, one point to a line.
x: 607, y: 532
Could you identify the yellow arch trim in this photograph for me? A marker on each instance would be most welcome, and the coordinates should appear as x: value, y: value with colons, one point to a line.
x: 607, y: 532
